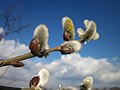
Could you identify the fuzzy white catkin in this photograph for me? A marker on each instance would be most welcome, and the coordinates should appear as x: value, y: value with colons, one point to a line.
x: 41, y: 32
x: 92, y: 25
x: 64, y: 21
x: 91, y: 30
x: 76, y: 45
x: 86, y: 23
x: 96, y: 36
x: 44, y: 77
x: 88, y: 82
x: 80, y: 32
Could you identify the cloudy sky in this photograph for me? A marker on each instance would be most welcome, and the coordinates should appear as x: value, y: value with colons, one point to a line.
x: 100, y: 59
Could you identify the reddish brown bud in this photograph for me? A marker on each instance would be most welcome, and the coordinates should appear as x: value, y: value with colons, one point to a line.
x: 66, y: 50
x: 34, y: 81
x: 34, y: 45
x: 66, y: 36
x: 17, y: 64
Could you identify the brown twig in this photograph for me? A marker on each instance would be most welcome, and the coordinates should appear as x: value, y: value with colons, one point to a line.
x: 6, y: 62
x: 18, y: 58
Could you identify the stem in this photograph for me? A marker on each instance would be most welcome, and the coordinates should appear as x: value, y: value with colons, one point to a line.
x: 6, y: 62
x: 58, y: 48
x: 82, y: 39
x: 17, y: 58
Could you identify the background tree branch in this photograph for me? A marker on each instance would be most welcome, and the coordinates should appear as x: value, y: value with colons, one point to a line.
x: 12, y: 21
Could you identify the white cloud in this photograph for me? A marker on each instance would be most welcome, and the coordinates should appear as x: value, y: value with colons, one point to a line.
x: 10, y: 48
x: 1, y: 33
x: 1, y: 30
x: 68, y: 70
x: 73, y: 67
x: 10, y: 75
x: 115, y: 58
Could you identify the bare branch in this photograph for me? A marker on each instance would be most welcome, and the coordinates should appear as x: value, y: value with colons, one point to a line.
x: 12, y: 21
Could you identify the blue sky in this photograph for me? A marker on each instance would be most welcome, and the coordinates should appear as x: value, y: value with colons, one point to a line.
x: 106, y: 14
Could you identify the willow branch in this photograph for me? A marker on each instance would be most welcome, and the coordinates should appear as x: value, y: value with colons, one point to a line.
x: 17, y: 58
x: 82, y: 39
x: 58, y: 48
x: 6, y: 62
x: 13, y: 88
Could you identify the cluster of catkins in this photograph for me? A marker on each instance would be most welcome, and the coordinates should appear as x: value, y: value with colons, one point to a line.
x: 39, y: 82
x: 39, y: 44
